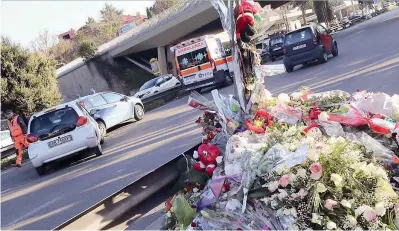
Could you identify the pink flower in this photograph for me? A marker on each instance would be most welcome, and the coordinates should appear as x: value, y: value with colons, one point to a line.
x: 316, y: 170
x: 284, y: 180
x: 369, y: 215
x: 330, y: 204
x: 302, y: 193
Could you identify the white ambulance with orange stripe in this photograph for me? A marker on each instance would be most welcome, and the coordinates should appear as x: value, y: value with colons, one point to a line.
x: 202, y: 62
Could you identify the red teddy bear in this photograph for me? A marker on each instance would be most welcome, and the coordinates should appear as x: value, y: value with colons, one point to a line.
x: 246, y: 20
x: 208, y: 156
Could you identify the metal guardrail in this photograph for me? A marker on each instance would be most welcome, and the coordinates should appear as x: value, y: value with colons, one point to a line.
x: 100, y: 215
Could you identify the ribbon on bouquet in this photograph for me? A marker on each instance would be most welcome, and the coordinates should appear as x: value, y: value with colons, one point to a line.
x: 356, y: 118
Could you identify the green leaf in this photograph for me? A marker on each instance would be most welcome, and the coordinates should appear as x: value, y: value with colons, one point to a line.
x: 259, y: 192
x: 183, y: 211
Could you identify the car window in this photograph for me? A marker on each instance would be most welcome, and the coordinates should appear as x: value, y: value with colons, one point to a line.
x: 298, y: 36
x: 276, y: 40
x: 168, y: 77
x: 96, y: 101
x: 112, y: 97
x: 160, y: 80
x: 148, y: 84
x: 192, y: 59
x: 52, y: 121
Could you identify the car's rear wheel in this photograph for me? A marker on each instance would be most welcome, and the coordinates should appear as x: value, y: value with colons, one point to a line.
x: 41, y: 170
x: 103, y: 130
x: 335, y: 50
x: 138, y: 112
x: 289, y: 68
x: 324, y: 57
x: 98, y: 150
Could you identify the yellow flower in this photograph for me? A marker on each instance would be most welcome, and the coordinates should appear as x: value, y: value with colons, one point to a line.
x: 258, y: 123
x: 320, y: 188
x: 384, y: 189
x: 337, y: 179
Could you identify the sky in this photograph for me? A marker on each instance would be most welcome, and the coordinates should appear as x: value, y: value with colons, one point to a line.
x: 23, y: 21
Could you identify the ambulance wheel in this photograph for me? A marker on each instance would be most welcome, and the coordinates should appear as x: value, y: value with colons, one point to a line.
x: 228, y: 80
x: 41, y: 170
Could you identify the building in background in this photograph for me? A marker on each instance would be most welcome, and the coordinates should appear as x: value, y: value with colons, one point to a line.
x: 69, y: 35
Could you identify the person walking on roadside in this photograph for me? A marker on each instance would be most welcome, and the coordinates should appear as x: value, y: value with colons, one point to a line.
x: 18, y: 131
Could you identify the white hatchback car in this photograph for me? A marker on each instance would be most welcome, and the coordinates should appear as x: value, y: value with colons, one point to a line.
x: 157, y: 85
x: 59, y: 132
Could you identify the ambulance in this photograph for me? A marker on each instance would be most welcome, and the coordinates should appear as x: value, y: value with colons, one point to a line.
x: 204, y: 61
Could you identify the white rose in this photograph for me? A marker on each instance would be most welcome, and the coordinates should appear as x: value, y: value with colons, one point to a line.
x: 272, y: 186
x: 293, y: 212
x: 358, y: 228
x: 283, y: 194
x: 323, y: 116
x: 337, y: 179
x: 301, y: 173
x: 331, y: 225
x: 283, y: 98
x: 286, y: 212
x: 346, y: 204
x: 351, y: 219
x: 292, y: 177
x: 380, y: 209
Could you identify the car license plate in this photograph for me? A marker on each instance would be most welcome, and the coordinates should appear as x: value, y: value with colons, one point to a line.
x: 60, y: 140
x: 299, y: 47
x: 277, y: 48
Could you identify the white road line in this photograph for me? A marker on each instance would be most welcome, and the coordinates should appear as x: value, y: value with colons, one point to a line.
x: 31, y: 212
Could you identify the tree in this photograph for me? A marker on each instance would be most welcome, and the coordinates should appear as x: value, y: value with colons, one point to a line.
x: 87, y: 49
x: 323, y: 11
x: 64, y: 52
x: 159, y: 7
x: 28, y: 80
x: 43, y: 42
x: 111, y: 21
x: 303, y: 5
x: 90, y: 20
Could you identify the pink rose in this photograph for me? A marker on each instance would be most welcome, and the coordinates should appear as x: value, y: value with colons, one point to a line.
x: 316, y: 170
x: 369, y: 215
x: 302, y: 193
x: 284, y: 180
x: 330, y: 204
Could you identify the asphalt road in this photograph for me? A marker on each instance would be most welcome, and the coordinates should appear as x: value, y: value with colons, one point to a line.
x: 368, y: 59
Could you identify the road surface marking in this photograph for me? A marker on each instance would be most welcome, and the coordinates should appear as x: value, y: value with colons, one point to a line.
x: 31, y: 212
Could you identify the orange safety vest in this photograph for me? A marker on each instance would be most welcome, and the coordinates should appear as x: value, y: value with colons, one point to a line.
x: 14, y: 127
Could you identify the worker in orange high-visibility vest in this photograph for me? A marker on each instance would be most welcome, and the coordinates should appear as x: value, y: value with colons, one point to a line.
x: 18, y: 131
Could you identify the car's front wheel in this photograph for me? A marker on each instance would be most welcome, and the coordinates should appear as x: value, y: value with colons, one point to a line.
x: 138, y: 112
x: 41, y: 170
x: 103, y: 130
x: 98, y: 150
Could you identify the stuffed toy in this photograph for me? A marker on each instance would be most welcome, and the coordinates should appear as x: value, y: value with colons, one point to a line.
x: 247, y: 14
x: 209, y: 156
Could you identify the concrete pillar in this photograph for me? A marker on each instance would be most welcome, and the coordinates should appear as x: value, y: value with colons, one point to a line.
x: 170, y: 57
x: 340, y: 14
x: 162, y: 61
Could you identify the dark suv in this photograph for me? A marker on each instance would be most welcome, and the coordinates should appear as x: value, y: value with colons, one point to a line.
x: 276, y: 47
x: 307, y: 44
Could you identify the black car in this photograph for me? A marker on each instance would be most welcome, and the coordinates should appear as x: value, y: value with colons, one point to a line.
x: 276, y: 47
x: 307, y: 44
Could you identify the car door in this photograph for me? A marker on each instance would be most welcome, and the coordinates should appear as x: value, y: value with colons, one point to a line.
x: 121, y: 109
x: 168, y: 83
x: 159, y: 85
x: 325, y: 38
